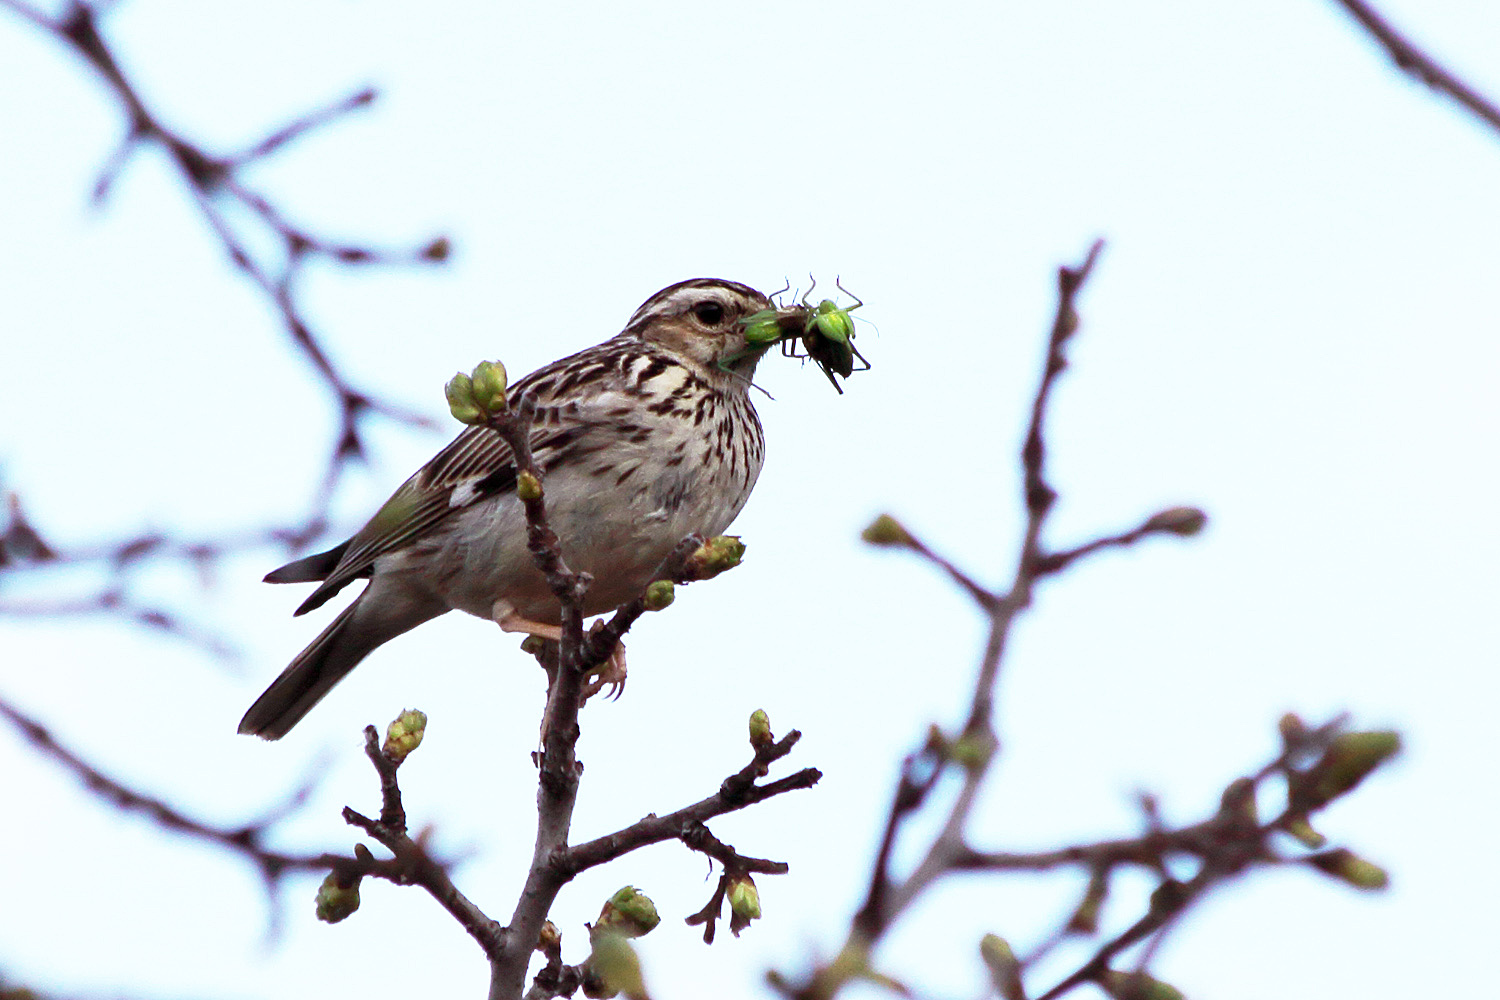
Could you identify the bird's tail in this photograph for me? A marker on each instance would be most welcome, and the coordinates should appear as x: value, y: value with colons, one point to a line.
x: 351, y: 637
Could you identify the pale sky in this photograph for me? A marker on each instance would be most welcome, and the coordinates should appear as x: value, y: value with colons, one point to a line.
x: 1293, y: 326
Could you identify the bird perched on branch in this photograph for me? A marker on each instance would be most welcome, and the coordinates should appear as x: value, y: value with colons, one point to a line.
x: 642, y: 440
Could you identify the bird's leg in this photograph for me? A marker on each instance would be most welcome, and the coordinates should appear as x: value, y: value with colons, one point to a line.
x: 610, y: 674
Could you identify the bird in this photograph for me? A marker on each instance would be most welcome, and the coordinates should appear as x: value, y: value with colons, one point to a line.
x: 641, y: 440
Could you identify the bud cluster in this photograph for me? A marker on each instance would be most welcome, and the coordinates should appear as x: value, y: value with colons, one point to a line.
x: 473, y: 397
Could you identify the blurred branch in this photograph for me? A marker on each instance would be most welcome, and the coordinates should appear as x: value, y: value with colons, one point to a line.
x: 1412, y: 60
x: 1223, y: 846
x: 25, y: 549
x: 247, y: 841
x: 888, y: 897
x: 216, y: 180
x: 218, y: 187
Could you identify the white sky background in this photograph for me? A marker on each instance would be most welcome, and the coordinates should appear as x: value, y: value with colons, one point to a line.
x: 1293, y: 326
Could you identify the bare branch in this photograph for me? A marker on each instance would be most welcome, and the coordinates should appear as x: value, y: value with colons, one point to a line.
x: 209, y: 178
x: 737, y: 792
x: 411, y: 864
x: 1223, y: 846
x: 246, y: 841
x: 1410, y: 59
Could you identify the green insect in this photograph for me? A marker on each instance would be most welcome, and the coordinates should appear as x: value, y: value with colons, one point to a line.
x: 828, y: 336
x: 824, y: 332
x: 769, y: 326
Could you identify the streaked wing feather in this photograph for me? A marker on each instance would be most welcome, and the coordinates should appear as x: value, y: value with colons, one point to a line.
x: 476, y: 455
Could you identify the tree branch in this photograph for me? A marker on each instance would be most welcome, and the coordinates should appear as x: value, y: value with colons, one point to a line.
x: 210, y: 178
x: 1412, y: 60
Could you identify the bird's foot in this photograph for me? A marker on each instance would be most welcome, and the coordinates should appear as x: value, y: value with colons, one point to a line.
x: 610, y: 674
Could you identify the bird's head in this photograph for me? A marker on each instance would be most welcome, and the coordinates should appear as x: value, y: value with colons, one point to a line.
x: 700, y: 321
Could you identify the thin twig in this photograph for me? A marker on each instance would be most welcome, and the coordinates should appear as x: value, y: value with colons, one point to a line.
x: 246, y: 841
x: 209, y: 178
x: 411, y: 864
x: 1410, y: 59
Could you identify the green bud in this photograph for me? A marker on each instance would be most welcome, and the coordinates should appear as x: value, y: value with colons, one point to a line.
x: 528, y: 486
x: 660, y: 594
x: 613, y: 968
x: 971, y: 750
x: 1349, y: 867
x: 533, y: 644
x: 885, y: 530
x: 715, y: 556
x: 760, y: 729
x: 489, y: 383
x: 404, y: 735
x: 629, y: 912
x: 1184, y: 521
x: 1349, y: 760
x: 460, y: 393
x: 1137, y: 986
x: 744, y: 903
x: 1305, y: 834
x: 337, y: 898
x: 1005, y: 968
x: 1085, y: 919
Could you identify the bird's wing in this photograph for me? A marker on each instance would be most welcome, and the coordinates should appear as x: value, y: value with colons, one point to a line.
x: 474, y: 466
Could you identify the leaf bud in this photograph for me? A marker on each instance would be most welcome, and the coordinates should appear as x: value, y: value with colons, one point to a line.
x: 760, y: 729
x: 338, y: 897
x: 973, y: 749
x: 629, y: 912
x: 1349, y: 760
x: 659, y: 595
x: 1085, y: 919
x: 1184, y: 521
x: 1345, y: 865
x: 885, y: 530
x: 1238, y: 800
x: 744, y: 902
x: 1302, y: 830
x: 488, y: 386
x: 1005, y: 968
x: 528, y: 486
x: 714, y: 556
x: 460, y: 393
x: 404, y: 735
x: 1137, y: 986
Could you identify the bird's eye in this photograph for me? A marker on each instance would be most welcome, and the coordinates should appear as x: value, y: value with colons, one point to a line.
x: 709, y: 313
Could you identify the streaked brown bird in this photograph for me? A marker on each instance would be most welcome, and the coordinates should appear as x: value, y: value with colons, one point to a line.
x: 642, y: 440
